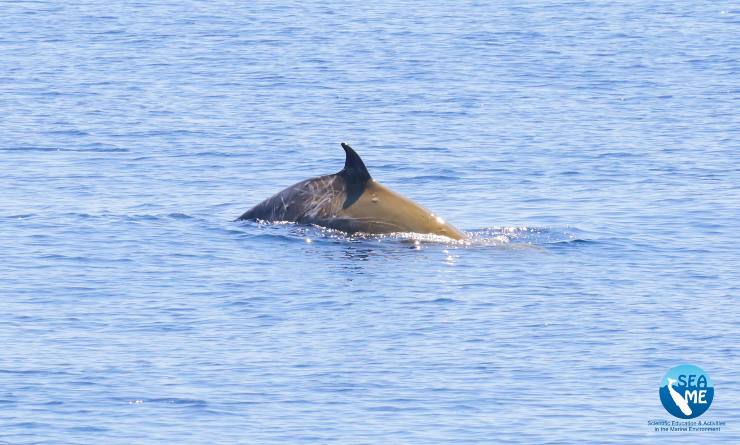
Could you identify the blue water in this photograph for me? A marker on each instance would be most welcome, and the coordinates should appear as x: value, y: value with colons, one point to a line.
x: 591, y: 151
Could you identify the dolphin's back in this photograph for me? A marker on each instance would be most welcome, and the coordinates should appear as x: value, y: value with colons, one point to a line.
x: 304, y: 202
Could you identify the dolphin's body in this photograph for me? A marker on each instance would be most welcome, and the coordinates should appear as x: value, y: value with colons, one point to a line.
x: 350, y: 201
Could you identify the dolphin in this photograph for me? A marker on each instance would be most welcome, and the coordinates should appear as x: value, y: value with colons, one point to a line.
x: 350, y: 201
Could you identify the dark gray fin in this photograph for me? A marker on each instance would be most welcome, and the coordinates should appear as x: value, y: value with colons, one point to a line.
x: 353, y: 165
x: 355, y: 175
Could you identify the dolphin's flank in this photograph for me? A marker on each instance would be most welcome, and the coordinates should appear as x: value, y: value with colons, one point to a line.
x: 351, y: 201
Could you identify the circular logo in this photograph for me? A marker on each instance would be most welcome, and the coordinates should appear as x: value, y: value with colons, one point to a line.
x: 686, y: 391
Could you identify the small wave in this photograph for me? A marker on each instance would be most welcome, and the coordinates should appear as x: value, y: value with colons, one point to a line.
x: 214, y: 154
x: 143, y: 217
x: 87, y: 429
x: 435, y: 178
x: 178, y: 215
x: 574, y: 242
x: 178, y: 401
x: 441, y: 300
x: 34, y: 372
x: 538, y: 236
x: 67, y: 132
x: 109, y: 216
x: 30, y: 425
x: 73, y: 150
x: 197, y: 403
x: 158, y: 216
x: 20, y: 216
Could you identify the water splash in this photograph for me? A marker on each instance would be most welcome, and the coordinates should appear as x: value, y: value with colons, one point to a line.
x: 506, y: 237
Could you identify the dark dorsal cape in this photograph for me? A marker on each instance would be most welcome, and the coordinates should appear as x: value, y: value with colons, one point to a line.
x: 311, y: 201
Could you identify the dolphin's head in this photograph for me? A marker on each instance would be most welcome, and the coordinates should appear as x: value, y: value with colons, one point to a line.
x: 671, y: 381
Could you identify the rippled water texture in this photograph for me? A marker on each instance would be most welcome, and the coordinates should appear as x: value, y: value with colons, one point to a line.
x: 590, y: 151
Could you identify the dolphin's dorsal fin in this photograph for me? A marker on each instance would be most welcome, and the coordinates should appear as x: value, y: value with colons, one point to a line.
x: 353, y: 165
x: 355, y: 175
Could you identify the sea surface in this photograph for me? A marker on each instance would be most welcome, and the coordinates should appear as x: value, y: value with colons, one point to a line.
x: 591, y: 151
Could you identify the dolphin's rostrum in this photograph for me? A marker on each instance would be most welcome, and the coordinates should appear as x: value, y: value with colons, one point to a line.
x: 350, y: 201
